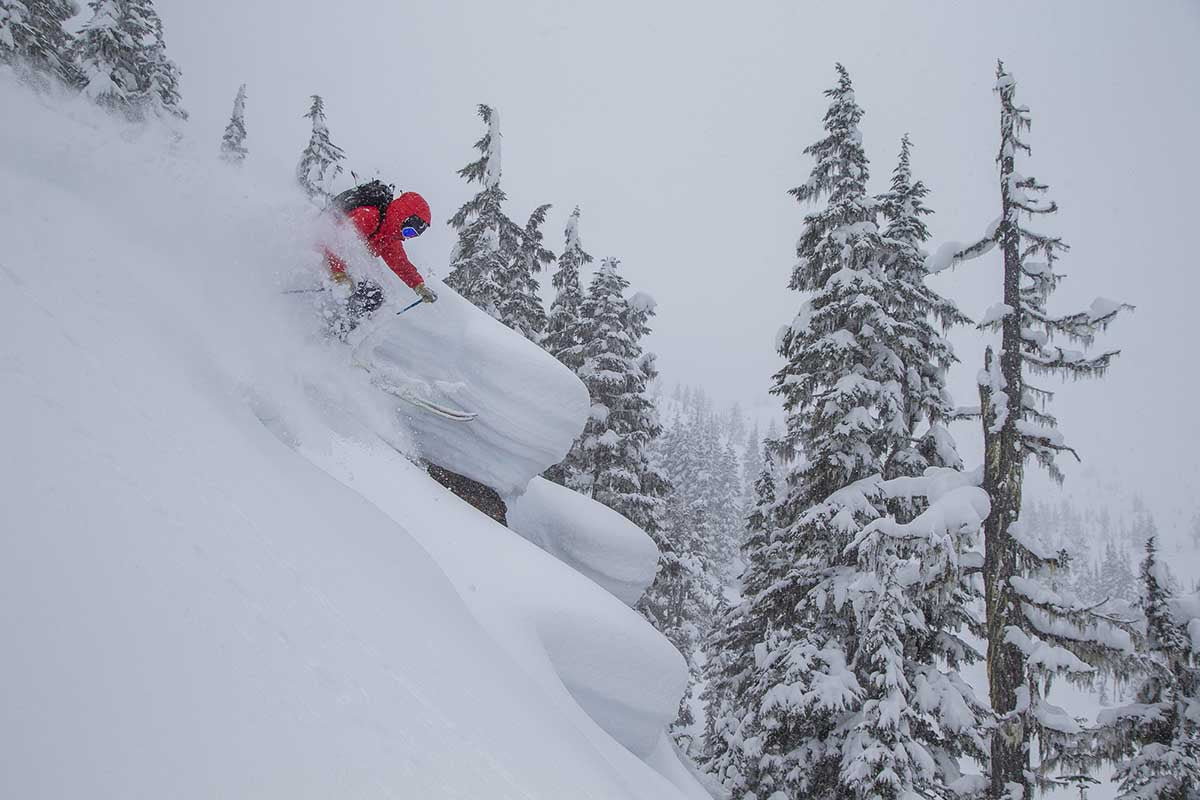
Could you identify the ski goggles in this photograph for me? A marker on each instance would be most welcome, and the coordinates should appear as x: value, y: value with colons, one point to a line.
x: 413, y: 226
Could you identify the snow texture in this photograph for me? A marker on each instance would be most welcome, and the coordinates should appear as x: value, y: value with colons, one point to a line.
x: 590, y: 537
x: 530, y: 406
x: 221, y: 577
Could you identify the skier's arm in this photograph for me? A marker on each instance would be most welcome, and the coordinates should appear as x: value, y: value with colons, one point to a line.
x: 337, y: 267
x: 392, y: 253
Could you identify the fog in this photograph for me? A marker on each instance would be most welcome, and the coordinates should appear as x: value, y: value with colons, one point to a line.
x: 678, y: 127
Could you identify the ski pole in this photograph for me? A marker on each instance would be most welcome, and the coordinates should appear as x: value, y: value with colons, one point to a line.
x: 300, y: 291
x: 413, y: 304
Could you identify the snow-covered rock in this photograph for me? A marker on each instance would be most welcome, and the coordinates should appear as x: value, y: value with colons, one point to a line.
x: 590, y: 537
x: 530, y: 407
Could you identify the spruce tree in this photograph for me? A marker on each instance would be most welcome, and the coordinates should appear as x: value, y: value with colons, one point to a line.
x: 233, y: 143
x: 828, y: 393
x: 124, y: 63
x: 318, y: 166
x: 34, y: 41
x: 1034, y: 631
x: 1155, y: 741
x: 732, y: 742
x: 917, y: 407
x: 487, y: 238
x: 1114, y: 578
x: 562, y: 326
x: 563, y: 329
x: 680, y: 600
x: 866, y: 611
x: 623, y: 422
x: 752, y: 465
x: 520, y: 304
x: 160, y: 74
x: 110, y: 57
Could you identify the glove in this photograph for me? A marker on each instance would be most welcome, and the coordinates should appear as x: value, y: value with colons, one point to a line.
x: 425, y: 293
x: 343, y: 281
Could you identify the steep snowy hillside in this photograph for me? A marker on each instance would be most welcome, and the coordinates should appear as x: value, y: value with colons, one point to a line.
x: 221, y: 573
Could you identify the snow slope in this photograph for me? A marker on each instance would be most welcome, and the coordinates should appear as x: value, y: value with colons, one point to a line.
x: 219, y: 573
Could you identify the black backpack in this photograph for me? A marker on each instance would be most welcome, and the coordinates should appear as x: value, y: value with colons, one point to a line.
x: 375, y: 194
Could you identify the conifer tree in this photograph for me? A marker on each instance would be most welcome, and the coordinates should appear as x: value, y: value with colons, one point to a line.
x: 623, y: 422
x: 917, y: 407
x: 1034, y: 632
x: 680, y: 600
x: 233, y: 143
x: 732, y: 735
x: 736, y: 423
x: 520, y: 304
x: 161, y: 75
x: 111, y: 58
x: 752, y: 465
x: 562, y: 327
x: 124, y: 61
x: 487, y: 238
x: 838, y: 701
x: 1114, y: 579
x: 828, y: 394
x: 1155, y: 741
x: 318, y: 166
x: 34, y: 41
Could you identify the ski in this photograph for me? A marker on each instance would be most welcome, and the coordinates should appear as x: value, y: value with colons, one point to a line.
x: 409, y: 395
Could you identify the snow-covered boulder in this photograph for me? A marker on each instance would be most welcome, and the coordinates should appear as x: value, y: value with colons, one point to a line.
x: 529, y: 407
x: 588, y: 536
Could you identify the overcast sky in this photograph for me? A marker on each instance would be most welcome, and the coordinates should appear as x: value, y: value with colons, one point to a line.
x: 678, y: 127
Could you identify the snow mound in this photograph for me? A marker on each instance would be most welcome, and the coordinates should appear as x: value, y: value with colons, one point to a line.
x: 530, y: 407
x: 590, y: 537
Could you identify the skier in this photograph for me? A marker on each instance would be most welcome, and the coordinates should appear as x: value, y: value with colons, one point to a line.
x: 383, y: 226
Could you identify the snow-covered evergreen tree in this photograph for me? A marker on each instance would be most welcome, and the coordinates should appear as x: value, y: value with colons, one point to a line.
x: 1114, y: 578
x: 520, y: 303
x: 704, y: 471
x: 613, y: 448
x: 487, y: 239
x: 1155, y: 741
x: 680, y: 601
x: 562, y: 326
x: 233, y: 143
x: 34, y: 41
x: 161, y: 75
x: 319, y: 163
x: 864, y: 611
x: 752, y: 466
x: 735, y: 423
x: 111, y: 57
x: 1035, y: 631
x: 917, y: 407
x: 731, y: 745
x: 828, y: 394
x: 124, y: 63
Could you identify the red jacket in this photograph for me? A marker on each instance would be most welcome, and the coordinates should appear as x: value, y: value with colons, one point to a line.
x: 387, y: 242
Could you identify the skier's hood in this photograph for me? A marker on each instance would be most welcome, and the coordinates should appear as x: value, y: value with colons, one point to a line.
x: 408, y: 204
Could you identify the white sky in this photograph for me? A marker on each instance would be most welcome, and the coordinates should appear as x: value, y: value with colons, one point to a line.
x: 678, y: 127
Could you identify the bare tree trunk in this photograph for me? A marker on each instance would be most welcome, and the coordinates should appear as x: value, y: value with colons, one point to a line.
x: 1004, y: 472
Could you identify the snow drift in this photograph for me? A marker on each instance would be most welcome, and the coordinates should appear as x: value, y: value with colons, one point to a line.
x: 595, y: 540
x: 221, y: 574
x: 530, y: 407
